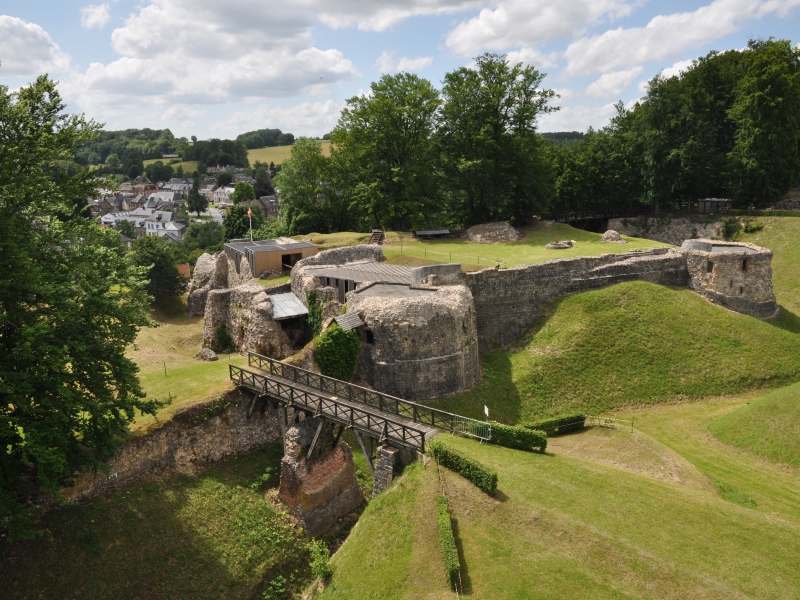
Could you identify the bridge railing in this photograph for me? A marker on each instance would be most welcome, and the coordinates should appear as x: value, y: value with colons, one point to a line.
x: 418, y: 413
x: 332, y: 408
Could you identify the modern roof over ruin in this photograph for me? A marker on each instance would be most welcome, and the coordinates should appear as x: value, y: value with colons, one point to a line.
x: 363, y: 271
x: 286, y: 306
x: 268, y: 246
x: 349, y: 321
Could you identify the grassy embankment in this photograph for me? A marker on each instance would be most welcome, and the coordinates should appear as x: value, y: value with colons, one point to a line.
x: 665, y: 512
x: 277, y: 154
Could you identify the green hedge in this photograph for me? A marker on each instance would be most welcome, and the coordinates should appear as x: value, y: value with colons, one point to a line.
x: 480, y: 475
x: 518, y: 437
x: 763, y: 213
x: 336, y: 352
x: 448, y: 541
x: 559, y: 425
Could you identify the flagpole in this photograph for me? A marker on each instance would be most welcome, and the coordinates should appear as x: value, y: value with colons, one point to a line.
x: 250, y: 216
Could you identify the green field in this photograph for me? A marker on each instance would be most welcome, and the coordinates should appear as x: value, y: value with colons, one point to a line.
x: 278, y: 154
x: 769, y: 426
x: 605, y: 514
x: 189, y: 167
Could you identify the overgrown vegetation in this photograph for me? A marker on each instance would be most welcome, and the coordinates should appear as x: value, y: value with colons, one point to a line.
x: 483, y: 477
x: 314, y: 319
x: 336, y: 352
x: 448, y: 542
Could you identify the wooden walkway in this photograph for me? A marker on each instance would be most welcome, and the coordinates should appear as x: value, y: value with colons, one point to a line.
x: 388, y: 419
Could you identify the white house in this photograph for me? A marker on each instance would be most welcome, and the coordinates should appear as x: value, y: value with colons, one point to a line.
x: 165, y: 224
x: 222, y: 195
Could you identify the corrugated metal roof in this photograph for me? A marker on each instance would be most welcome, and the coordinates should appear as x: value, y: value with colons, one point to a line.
x: 286, y: 306
x: 432, y: 232
x: 349, y: 321
x: 366, y: 271
x: 268, y: 246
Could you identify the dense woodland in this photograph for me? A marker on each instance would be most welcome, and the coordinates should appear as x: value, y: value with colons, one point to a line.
x: 412, y: 156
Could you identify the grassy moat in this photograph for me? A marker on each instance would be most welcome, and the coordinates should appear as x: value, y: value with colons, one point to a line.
x: 701, y: 500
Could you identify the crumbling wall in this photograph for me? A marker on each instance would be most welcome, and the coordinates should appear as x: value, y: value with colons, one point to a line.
x: 668, y: 229
x: 246, y: 312
x: 302, y: 284
x: 738, y: 280
x: 424, y: 346
x: 508, y: 301
x: 322, y: 490
x: 200, y: 433
x: 210, y: 273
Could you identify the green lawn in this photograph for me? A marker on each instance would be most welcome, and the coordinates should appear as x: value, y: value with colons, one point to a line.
x: 277, y: 154
x: 189, y: 166
x: 632, y: 343
x: 585, y: 524
x: 769, y: 426
x: 211, y: 535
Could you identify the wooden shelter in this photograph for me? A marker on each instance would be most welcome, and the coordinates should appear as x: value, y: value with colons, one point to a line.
x: 268, y: 255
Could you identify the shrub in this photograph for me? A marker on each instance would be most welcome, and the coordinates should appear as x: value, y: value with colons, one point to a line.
x: 448, y: 541
x: 730, y: 227
x: 559, y: 425
x: 320, y: 560
x: 753, y: 226
x: 336, y: 352
x: 224, y: 340
x: 314, y: 320
x: 483, y: 477
x: 518, y: 437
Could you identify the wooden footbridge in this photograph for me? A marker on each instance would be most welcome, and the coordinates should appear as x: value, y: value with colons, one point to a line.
x: 290, y: 391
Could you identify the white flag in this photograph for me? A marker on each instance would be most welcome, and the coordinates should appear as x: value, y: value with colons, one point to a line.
x: 486, y: 410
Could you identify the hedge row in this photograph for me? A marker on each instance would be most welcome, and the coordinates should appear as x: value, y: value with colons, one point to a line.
x: 740, y: 212
x: 559, y: 425
x: 518, y: 437
x: 480, y: 475
x: 448, y: 541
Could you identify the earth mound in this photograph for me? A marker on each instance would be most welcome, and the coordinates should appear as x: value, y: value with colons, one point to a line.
x: 488, y: 233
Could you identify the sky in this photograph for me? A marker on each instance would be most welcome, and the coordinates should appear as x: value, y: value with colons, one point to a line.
x: 217, y: 69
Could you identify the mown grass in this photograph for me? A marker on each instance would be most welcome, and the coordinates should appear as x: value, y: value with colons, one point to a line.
x: 769, y: 426
x: 209, y: 535
x: 189, y: 166
x: 568, y: 527
x: 632, y: 343
x: 278, y: 154
x: 165, y: 355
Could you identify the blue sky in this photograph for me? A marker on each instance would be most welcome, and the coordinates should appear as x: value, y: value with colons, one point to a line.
x: 217, y: 69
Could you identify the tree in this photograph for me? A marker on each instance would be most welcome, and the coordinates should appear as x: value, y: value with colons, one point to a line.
x: 195, y: 201
x: 208, y: 234
x: 494, y: 164
x: 126, y: 228
x: 113, y: 162
x: 383, y: 150
x: 194, y: 138
x: 300, y: 182
x: 201, y: 167
x: 70, y: 305
x: 243, y: 192
x: 179, y: 172
x: 224, y: 178
x: 134, y: 171
x: 158, y: 171
x: 160, y: 259
x: 236, y: 223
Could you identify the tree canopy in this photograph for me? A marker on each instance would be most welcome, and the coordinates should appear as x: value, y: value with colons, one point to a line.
x: 243, y: 192
x: 236, y: 223
x: 70, y: 304
x: 160, y: 259
x: 195, y: 201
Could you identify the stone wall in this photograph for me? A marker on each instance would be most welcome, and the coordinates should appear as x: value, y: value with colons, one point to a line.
x: 200, y: 433
x: 302, y: 284
x: 424, y: 346
x: 508, y: 301
x: 667, y: 229
x: 214, y: 272
x: 738, y: 280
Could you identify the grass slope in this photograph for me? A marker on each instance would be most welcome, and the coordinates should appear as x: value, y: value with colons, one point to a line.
x: 563, y: 526
x: 633, y: 343
x: 210, y: 535
x: 278, y: 154
x: 769, y: 426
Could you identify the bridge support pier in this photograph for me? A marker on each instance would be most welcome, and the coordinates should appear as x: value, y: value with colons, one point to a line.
x: 384, y: 468
x: 318, y: 483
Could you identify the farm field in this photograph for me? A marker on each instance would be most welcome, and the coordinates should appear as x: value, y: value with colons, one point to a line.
x: 189, y: 166
x: 604, y: 514
x: 277, y: 154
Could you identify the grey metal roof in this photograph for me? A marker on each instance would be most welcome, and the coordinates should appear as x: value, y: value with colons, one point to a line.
x: 393, y: 290
x: 268, y: 246
x: 349, y: 321
x: 286, y: 306
x: 366, y: 271
x: 432, y: 232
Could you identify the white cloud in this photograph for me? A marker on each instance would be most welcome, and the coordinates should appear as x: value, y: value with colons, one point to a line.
x: 308, y: 118
x: 677, y: 68
x: 530, y: 22
x: 380, y: 15
x: 577, y: 118
x: 666, y: 36
x: 532, y: 57
x: 95, y: 16
x: 27, y: 50
x: 387, y: 64
x: 613, y: 84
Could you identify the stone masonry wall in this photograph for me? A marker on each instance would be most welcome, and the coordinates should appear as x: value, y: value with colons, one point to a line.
x: 199, y: 433
x: 720, y: 277
x: 424, y: 346
x: 508, y: 301
x: 302, y: 284
x: 667, y: 229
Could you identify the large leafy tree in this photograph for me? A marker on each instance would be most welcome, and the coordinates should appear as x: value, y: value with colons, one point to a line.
x: 384, y: 153
x: 160, y: 259
x: 243, y: 192
x: 236, y: 223
x: 196, y: 202
x: 70, y: 304
x: 495, y: 166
